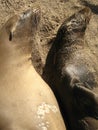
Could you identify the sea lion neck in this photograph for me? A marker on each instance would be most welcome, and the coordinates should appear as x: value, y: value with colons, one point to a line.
x: 13, y: 55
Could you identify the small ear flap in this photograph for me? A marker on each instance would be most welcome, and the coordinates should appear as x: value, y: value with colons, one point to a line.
x: 10, y: 36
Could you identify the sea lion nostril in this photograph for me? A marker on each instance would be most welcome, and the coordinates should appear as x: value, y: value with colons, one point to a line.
x: 26, y: 14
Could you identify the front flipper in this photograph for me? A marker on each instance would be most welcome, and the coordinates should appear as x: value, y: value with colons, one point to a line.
x: 85, y: 100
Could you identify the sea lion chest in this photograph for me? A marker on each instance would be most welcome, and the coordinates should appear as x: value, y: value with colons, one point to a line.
x: 17, y: 101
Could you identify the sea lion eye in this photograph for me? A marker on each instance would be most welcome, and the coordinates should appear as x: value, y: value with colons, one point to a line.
x: 10, y: 36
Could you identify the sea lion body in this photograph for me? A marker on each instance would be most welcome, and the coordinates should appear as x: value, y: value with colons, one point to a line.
x: 75, y: 73
x: 26, y: 101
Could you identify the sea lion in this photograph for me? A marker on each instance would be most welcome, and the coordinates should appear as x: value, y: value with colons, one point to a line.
x: 26, y: 101
x: 73, y: 71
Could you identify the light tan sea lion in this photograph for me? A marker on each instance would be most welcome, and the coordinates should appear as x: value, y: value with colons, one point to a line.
x: 73, y: 71
x: 26, y: 101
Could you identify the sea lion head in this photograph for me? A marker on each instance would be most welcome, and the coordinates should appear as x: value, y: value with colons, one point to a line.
x: 18, y: 34
x: 20, y: 28
x: 74, y: 26
x: 23, y: 25
x: 78, y: 22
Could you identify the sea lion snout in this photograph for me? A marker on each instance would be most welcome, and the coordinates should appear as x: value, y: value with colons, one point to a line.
x: 74, y: 27
x: 33, y: 15
x: 22, y: 25
x: 27, y: 23
x: 86, y: 13
x: 79, y: 21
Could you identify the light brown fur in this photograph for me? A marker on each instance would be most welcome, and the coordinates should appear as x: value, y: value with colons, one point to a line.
x: 26, y: 101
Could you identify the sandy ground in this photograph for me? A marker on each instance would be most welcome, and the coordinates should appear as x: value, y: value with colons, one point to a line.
x: 53, y: 14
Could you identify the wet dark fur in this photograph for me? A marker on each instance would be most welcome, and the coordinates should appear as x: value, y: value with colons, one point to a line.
x: 72, y: 72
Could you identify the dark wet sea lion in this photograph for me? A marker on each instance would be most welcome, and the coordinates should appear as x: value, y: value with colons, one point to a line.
x: 73, y: 71
x: 26, y: 101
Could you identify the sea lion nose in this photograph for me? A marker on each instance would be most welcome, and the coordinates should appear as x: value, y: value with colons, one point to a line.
x: 34, y: 15
x: 26, y: 14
